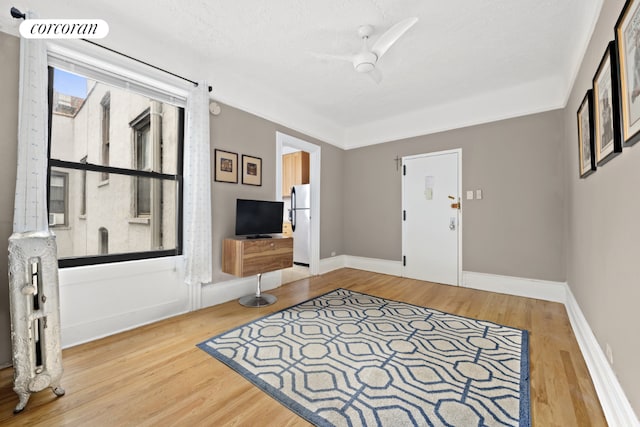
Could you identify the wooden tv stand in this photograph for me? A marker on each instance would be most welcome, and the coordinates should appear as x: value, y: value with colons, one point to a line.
x: 244, y: 257
x: 247, y: 257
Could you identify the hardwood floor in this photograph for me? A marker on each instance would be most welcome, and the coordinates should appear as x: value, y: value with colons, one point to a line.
x: 154, y: 375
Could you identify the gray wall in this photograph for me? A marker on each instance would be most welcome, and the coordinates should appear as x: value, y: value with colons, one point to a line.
x: 515, y: 230
x: 603, y: 229
x: 243, y: 133
x: 535, y: 209
x: 9, y: 68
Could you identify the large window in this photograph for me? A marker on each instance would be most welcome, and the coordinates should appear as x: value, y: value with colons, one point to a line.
x: 122, y: 199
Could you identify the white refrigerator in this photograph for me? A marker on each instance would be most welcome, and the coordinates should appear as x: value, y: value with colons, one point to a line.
x: 300, y: 217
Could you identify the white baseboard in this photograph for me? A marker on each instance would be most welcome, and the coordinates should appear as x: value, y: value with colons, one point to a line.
x: 530, y: 288
x: 123, y: 321
x: 333, y: 263
x: 218, y: 293
x: 383, y: 266
x: 614, y: 402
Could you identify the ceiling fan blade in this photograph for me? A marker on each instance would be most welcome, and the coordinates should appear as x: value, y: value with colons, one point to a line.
x: 376, y: 75
x: 391, y: 36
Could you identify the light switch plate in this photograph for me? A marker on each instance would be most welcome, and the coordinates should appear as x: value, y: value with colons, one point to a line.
x: 479, y: 194
x: 470, y: 195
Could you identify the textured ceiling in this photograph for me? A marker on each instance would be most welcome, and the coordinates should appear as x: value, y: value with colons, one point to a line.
x: 464, y: 62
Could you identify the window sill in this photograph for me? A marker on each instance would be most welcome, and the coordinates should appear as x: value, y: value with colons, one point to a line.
x: 103, y: 183
x: 82, y: 216
x: 59, y: 227
x: 143, y: 221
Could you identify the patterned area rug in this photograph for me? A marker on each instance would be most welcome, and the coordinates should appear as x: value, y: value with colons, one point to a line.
x: 350, y: 359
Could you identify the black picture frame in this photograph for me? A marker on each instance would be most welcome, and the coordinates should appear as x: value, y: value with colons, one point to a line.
x: 607, y: 138
x: 627, y: 37
x: 251, y: 170
x: 586, y: 152
x: 226, y: 166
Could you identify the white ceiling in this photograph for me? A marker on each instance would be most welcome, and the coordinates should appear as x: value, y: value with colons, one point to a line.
x: 464, y: 62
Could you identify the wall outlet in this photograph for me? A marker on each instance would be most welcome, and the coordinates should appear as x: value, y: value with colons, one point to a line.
x: 333, y: 253
x: 470, y: 195
x: 609, y: 353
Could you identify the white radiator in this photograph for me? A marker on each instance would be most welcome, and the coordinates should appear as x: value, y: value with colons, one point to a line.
x: 35, y: 314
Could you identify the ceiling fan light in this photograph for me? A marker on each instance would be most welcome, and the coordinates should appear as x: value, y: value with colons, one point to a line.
x: 364, y: 67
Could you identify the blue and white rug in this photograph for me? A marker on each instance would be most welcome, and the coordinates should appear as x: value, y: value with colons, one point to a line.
x: 350, y: 359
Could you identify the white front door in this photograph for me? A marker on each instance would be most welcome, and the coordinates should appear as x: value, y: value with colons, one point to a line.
x: 431, y: 225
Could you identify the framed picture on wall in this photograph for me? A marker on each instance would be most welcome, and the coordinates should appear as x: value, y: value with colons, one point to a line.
x: 606, y: 108
x: 628, y: 44
x: 251, y: 170
x: 586, y: 152
x: 226, y: 167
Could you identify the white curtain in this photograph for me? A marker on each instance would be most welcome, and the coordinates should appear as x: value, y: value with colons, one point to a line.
x: 30, y: 206
x: 197, y: 193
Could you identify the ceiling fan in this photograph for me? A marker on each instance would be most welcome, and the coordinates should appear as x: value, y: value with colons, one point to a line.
x: 365, y: 61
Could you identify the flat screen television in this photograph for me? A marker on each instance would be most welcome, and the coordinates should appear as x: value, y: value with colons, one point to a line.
x: 258, y: 218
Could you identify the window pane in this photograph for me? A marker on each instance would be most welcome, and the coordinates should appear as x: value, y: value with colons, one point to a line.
x: 57, y: 198
x: 105, y: 128
x: 104, y: 241
x: 143, y: 196
x: 110, y: 223
x: 101, y: 121
x: 143, y: 157
x: 83, y: 191
x: 56, y: 204
x: 57, y: 181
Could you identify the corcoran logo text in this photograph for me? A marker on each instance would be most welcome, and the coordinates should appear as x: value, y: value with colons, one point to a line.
x: 64, y: 29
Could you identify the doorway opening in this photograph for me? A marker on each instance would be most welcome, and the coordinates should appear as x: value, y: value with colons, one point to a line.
x: 302, y: 211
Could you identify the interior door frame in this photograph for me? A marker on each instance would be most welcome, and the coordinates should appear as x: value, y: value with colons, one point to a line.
x: 457, y: 151
x: 284, y: 140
